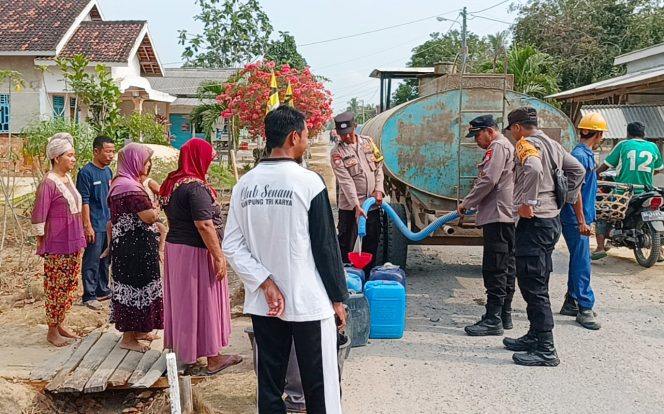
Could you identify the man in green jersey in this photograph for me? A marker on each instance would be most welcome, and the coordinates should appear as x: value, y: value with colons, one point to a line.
x: 636, y: 161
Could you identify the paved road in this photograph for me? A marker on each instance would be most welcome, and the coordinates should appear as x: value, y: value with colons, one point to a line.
x: 436, y: 368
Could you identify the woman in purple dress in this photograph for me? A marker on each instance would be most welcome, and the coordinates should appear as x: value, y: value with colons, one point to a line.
x: 197, y: 307
x: 136, y: 299
x: 57, y: 223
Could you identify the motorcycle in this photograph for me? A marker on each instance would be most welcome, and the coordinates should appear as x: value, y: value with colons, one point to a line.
x: 639, y: 225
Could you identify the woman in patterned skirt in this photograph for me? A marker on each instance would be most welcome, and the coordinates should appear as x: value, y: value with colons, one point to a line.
x: 136, y: 299
x: 57, y: 223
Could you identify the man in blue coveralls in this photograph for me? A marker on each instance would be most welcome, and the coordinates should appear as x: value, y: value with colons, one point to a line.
x: 576, y: 220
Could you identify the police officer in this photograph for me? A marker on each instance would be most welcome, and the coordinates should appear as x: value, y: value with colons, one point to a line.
x: 357, y: 164
x: 538, y: 229
x: 492, y: 196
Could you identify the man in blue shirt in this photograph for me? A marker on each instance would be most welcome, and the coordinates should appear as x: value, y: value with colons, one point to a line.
x: 93, y: 182
x: 576, y: 220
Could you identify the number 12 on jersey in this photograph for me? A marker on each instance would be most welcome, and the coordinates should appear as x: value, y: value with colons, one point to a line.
x: 645, y: 160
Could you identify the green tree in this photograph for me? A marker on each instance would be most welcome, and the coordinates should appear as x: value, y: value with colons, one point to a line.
x: 363, y: 112
x: 98, y: 92
x: 534, y: 71
x: 206, y: 115
x: 497, y: 47
x: 234, y: 32
x: 442, y: 47
x: 584, y: 37
x: 284, y: 51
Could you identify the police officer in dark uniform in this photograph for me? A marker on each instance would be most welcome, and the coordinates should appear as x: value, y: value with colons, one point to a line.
x: 538, y: 229
x: 492, y: 197
x: 358, y: 167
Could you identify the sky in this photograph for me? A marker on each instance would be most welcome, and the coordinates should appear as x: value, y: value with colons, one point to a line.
x: 347, y: 62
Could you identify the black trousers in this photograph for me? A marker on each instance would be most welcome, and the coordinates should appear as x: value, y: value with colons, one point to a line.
x: 316, y: 352
x: 347, y: 229
x: 536, y: 239
x: 498, y: 263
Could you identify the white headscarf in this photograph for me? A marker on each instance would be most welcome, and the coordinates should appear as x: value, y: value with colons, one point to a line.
x: 58, y: 144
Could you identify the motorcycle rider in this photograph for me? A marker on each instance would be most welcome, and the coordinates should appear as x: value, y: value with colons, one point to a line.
x: 636, y: 162
x: 576, y: 220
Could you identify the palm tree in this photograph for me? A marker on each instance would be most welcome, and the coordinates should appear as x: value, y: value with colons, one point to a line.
x: 534, y: 71
x: 208, y: 112
x: 497, y: 46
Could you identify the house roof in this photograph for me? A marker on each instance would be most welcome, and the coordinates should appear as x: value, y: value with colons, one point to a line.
x: 618, y: 116
x: 401, y: 73
x: 639, y: 54
x: 34, y: 27
x: 110, y: 41
x: 185, y: 82
x: 600, y: 89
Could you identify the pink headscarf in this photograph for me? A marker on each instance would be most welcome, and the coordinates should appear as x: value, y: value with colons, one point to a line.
x: 131, y: 161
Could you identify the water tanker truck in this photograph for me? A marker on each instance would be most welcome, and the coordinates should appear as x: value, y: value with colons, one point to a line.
x: 430, y: 166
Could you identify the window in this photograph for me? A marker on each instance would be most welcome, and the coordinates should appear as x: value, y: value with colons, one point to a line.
x: 58, y: 106
x: 4, y: 113
x: 73, y: 110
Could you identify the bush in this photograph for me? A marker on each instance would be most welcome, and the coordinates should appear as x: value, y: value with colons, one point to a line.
x: 145, y: 126
x: 37, y: 133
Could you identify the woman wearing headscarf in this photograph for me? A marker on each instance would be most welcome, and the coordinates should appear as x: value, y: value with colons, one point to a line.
x: 57, y: 223
x: 136, y: 298
x: 197, y: 320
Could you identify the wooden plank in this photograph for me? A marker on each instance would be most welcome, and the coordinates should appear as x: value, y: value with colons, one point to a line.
x: 48, y: 370
x: 149, y: 358
x: 186, y: 396
x: 153, y: 374
x: 158, y: 344
x: 99, y: 380
x: 126, y: 368
x: 74, y: 360
x: 161, y: 383
x: 77, y: 379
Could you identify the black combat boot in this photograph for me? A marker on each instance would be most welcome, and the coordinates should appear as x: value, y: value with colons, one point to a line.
x: 527, y: 342
x: 543, y: 356
x: 570, y: 308
x: 506, y: 315
x: 490, y: 324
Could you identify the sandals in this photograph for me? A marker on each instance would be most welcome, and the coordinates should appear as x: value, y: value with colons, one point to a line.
x: 598, y: 255
x: 230, y: 361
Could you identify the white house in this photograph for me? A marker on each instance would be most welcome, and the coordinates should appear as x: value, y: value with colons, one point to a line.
x: 34, y: 33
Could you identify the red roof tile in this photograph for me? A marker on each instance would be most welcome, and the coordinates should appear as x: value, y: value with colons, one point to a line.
x: 36, y: 25
x: 104, y: 41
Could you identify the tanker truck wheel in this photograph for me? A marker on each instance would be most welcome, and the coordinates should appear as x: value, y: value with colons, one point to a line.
x: 393, y: 245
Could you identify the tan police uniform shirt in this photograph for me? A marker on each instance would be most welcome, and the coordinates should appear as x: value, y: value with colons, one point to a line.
x: 359, y: 173
x: 492, y: 194
x: 534, y: 181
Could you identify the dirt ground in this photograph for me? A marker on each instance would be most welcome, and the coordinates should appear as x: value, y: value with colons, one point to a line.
x: 434, y: 368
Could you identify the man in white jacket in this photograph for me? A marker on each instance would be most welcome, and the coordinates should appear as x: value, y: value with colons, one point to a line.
x: 280, y: 240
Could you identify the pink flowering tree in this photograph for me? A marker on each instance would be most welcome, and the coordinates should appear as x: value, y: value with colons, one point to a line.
x: 245, y: 98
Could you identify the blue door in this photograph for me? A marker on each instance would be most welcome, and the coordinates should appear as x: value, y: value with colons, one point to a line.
x: 181, y: 130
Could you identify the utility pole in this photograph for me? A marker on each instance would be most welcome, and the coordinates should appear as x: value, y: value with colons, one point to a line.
x: 464, y: 43
x: 363, y: 118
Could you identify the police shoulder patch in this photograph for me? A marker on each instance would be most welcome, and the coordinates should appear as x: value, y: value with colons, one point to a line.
x: 525, y: 149
x: 488, y: 154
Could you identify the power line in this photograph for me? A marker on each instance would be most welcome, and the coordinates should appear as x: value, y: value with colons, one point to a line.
x: 491, y: 7
x: 490, y: 19
x: 376, y: 30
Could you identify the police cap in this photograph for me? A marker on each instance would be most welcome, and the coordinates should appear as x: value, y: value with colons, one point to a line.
x: 344, y: 123
x: 480, y: 123
x: 524, y: 115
